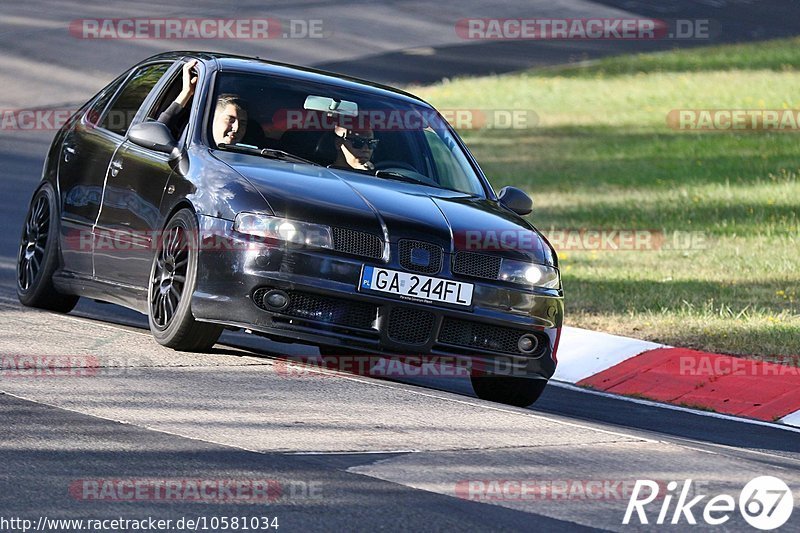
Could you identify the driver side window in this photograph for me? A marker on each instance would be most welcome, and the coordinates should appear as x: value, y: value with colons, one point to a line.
x: 120, y: 115
x: 178, y: 121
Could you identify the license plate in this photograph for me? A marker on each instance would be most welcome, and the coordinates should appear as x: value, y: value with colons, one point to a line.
x: 415, y: 287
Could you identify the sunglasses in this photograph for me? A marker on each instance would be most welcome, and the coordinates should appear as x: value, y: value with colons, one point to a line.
x: 359, y: 142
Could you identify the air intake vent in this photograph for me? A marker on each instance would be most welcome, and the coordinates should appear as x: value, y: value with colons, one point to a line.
x: 477, y: 265
x: 324, y: 309
x: 357, y: 243
x: 410, y: 326
x: 489, y: 337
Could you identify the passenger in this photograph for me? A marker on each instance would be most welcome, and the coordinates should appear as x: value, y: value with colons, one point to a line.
x: 354, y: 148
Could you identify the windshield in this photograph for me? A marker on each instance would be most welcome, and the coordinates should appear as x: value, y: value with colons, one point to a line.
x: 383, y: 136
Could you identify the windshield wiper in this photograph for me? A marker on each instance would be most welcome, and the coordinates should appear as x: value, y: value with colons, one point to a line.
x: 269, y: 153
x: 398, y: 176
x: 390, y: 174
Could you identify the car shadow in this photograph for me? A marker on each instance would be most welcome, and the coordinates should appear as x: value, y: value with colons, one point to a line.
x: 566, y: 403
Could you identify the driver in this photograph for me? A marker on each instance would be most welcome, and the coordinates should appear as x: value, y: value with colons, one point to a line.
x: 354, y: 148
x: 230, y: 117
x: 230, y: 120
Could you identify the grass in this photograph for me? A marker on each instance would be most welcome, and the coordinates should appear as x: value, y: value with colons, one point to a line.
x: 778, y: 55
x: 603, y: 157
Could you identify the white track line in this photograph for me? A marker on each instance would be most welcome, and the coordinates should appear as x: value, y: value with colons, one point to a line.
x: 583, y: 353
x: 369, y: 452
x: 792, y: 419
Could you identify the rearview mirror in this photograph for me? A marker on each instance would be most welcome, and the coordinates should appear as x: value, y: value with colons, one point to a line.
x: 329, y: 105
x: 157, y: 136
x: 516, y: 200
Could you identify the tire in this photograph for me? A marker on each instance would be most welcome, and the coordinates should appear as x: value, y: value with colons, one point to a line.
x: 38, y: 256
x: 173, y: 276
x: 520, y: 392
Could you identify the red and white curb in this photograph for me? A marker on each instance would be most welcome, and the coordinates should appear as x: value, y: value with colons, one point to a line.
x: 688, y: 378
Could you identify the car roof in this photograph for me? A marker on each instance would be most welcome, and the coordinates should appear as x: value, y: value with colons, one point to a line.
x: 263, y: 66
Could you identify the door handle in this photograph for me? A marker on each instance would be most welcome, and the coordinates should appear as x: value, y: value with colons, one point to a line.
x: 116, y: 166
x: 69, y: 151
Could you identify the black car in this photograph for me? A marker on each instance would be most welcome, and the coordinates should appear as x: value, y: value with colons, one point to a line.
x: 411, y: 253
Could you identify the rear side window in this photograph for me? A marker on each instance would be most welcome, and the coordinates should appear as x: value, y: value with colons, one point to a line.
x: 120, y: 115
x: 95, y: 112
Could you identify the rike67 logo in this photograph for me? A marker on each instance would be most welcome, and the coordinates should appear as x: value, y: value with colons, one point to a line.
x: 766, y: 503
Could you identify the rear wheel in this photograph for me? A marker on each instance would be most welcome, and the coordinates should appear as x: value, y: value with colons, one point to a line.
x: 173, y: 277
x: 521, y: 392
x: 38, y: 256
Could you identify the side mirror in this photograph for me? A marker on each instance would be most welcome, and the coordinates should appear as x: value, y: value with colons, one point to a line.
x: 153, y: 136
x: 516, y: 200
x: 157, y: 136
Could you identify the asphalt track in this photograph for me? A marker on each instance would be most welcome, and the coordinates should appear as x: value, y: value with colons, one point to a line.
x: 381, y: 454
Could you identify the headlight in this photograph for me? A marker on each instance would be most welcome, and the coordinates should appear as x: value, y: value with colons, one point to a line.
x: 529, y: 274
x: 282, y: 229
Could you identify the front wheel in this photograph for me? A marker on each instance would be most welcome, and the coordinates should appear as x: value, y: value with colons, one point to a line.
x: 38, y: 259
x: 520, y: 392
x: 173, y: 276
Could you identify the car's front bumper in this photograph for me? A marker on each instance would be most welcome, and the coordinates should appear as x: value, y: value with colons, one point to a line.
x: 328, y: 309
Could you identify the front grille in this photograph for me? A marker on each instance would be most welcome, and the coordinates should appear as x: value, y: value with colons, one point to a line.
x: 410, y: 326
x: 477, y: 265
x: 489, y: 337
x: 324, y: 309
x: 420, y: 256
x: 357, y: 243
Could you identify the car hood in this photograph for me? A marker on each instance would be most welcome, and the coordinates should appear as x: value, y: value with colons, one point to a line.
x: 453, y: 220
